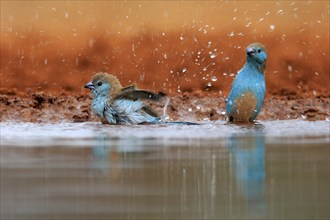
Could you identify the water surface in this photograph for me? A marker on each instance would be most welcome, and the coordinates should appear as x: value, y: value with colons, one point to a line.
x: 271, y: 170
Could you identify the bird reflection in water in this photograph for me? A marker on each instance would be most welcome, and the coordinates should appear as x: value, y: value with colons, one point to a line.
x: 248, y: 161
x: 105, y: 157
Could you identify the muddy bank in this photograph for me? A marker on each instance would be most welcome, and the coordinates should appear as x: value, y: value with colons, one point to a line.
x: 44, y: 107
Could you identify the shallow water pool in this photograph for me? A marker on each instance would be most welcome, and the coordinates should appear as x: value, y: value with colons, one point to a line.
x: 270, y: 170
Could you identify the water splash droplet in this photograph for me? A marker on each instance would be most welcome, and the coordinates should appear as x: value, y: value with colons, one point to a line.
x: 214, y: 78
x: 179, y: 90
x: 165, y: 116
x: 272, y: 27
x: 280, y: 12
x: 212, y: 55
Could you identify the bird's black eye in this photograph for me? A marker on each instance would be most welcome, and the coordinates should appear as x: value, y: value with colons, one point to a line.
x: 99, y: 83
x: 259, y: 51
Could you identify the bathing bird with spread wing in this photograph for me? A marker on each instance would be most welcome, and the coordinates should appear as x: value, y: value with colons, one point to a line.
x: 115, y: 104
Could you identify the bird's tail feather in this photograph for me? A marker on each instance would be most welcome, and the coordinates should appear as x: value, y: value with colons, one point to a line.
x: 176, y: 123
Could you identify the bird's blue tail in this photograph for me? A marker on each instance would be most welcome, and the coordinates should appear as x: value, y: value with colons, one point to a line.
x: 176, y: 123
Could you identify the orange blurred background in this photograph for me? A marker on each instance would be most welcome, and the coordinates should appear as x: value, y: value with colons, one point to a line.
x: 169, y: 46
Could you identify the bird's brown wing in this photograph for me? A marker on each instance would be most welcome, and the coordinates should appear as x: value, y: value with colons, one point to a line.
x: 149, y: 111
x: 132, y: 94
x: 128, y: 88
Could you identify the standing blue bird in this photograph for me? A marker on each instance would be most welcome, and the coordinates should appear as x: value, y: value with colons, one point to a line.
x: 249, y: 87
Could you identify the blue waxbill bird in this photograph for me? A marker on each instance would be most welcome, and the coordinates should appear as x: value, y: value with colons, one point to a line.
x: 249, y: 87
x: 115, y: 104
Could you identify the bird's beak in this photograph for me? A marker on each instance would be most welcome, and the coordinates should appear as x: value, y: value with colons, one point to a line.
x: 89, y: 86
x: 250, y: 51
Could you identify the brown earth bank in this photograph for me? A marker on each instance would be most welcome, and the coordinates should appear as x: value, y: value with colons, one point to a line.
x: 40, y: 107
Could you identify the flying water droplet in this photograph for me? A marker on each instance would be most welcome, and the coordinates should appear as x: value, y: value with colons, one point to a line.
x: 280, y: 12
x: 212, y: 55
x: 248, y: 24
x: 214, y: 78
x: 272, y: 27
x: 261, y: 19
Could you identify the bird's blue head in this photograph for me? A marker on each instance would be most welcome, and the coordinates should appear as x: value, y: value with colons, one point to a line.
x: 103, y: 84
x: 256, y: 54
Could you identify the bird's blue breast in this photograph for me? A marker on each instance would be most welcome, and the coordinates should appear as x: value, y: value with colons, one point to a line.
x: 247, y: 94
